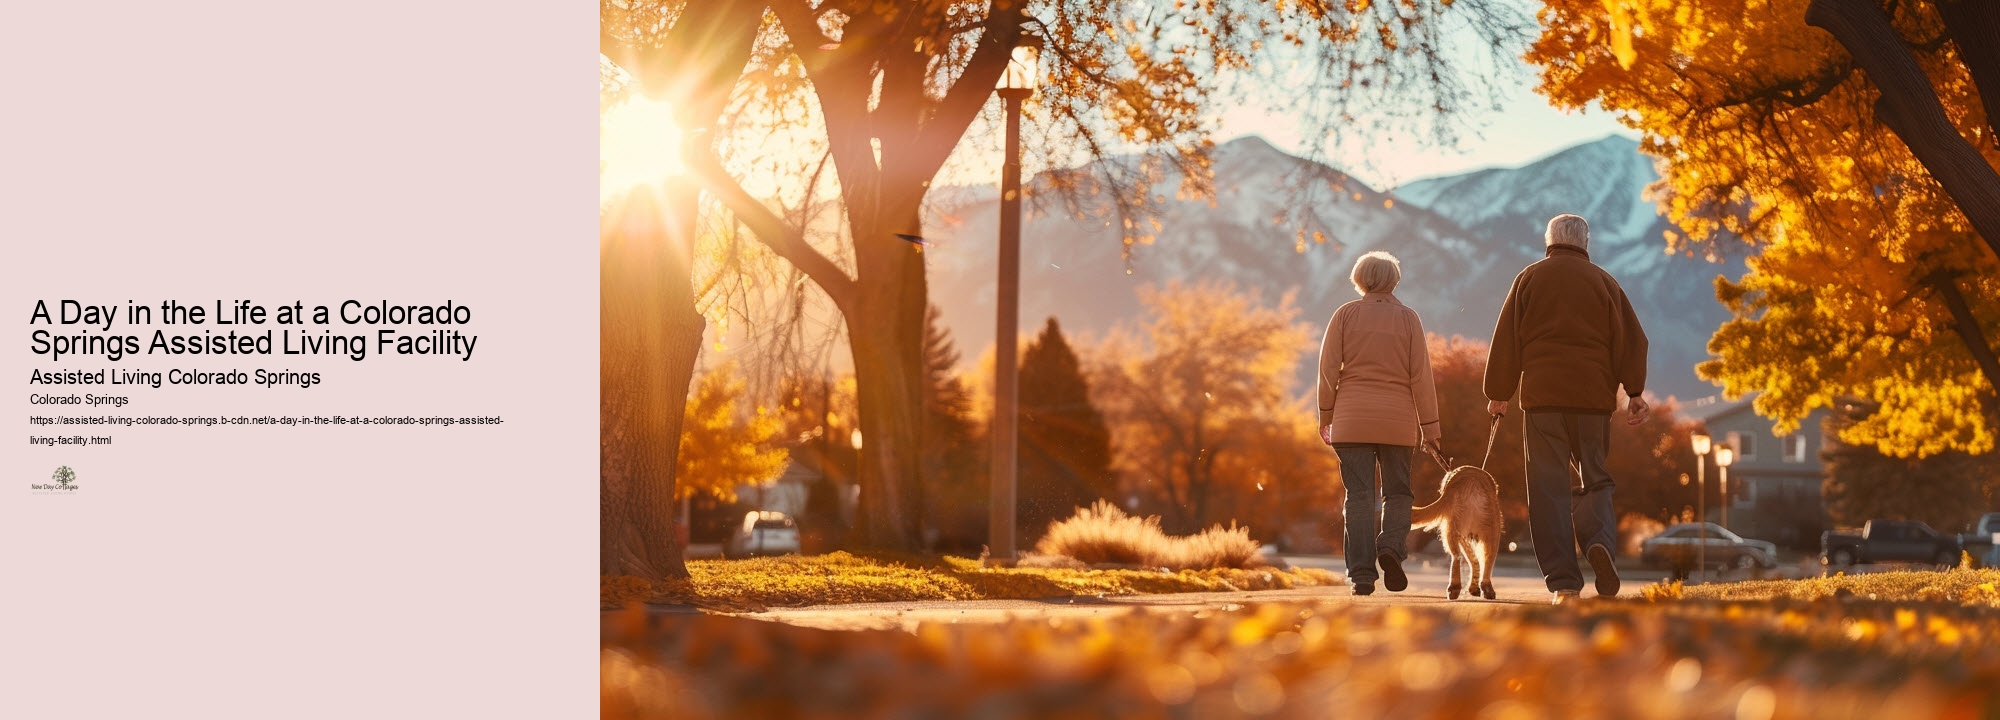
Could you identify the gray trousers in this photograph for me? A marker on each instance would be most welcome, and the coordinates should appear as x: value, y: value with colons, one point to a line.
x: 1569, y: 492
x: 1360, y: 467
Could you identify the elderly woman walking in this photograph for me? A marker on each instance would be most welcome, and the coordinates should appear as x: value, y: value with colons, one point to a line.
x: 1376, y: 403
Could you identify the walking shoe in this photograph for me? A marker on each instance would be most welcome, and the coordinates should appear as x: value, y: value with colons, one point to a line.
x: 1607, y: 574
x: 1364, y: 589
x: 1565, y: 597
x: 1392, y: 572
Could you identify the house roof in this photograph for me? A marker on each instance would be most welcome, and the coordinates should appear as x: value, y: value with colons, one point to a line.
x: 1715, y: 407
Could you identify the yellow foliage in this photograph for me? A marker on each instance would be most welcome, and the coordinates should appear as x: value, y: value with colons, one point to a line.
x: 1765, y: 130
x: 722, y: 448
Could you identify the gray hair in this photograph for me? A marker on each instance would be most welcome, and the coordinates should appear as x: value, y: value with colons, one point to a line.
x: 1568, y: 230
x: 1376, y: 271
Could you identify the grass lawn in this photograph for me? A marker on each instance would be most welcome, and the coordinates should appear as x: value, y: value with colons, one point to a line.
x: 1968, y: 587
x: 798, y: 581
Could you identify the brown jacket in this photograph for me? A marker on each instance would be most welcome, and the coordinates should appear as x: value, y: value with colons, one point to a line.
x: 1375, y: 374
x: 1567, y: 338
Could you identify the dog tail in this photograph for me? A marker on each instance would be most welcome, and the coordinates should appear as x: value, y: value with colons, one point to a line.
x: 1429, y: 516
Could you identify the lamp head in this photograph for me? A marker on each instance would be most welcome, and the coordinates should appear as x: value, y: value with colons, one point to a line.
x: 1700, y: 441
x: 1021, y: 71
x: 1725, y: 456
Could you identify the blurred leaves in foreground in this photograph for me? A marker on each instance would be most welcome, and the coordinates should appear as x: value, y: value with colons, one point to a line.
x: 1630, y: 659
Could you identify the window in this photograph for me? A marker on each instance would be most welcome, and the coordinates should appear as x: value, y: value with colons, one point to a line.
x: 1795, y: 447
x: 1745, y: 444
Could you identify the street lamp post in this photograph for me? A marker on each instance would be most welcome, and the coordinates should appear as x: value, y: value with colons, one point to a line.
x: 1724, y: 457
x: 1701, y: 446
x: 1016, y: 84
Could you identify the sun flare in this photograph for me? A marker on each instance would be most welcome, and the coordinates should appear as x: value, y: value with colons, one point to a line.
x: 638, y: 144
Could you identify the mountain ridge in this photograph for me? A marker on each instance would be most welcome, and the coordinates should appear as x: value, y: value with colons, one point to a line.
x: 1283, y: 224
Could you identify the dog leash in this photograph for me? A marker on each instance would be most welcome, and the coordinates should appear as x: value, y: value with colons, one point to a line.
x: 1493, y: 433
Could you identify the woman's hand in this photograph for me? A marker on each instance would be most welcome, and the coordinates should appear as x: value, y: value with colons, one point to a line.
x: 1326, y: 435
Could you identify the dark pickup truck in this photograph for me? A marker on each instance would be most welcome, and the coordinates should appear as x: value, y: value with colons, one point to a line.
x: 1883, y: 541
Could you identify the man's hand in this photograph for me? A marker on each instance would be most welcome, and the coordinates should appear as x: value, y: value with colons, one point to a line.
x: 1326, y: 434
x: 1496, y: 407
x: 1635, y: 411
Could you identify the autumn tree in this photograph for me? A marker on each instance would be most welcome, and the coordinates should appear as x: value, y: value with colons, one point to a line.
x: 1870, y: 282
x: 1065, y: 448
x: 1946, y: 490
x: 1653, y: 463
x: 1283, y: 482
x: 1458, y: 371
x: 725, y: 442
x: 886, y: 89
x: 1191, y: 386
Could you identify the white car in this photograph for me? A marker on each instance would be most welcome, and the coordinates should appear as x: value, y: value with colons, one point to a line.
x: 763, y: 532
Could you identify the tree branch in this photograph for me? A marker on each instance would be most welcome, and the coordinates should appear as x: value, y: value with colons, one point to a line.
x: 788, y: 242
x: 1910, y: 107
x: 1975, y: 338
x: 965, y: 98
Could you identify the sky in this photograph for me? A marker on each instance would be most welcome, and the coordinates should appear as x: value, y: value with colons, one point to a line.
x: 1524, y: 129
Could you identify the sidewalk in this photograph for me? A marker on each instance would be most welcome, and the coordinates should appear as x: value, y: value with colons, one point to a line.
x: 906, y: 615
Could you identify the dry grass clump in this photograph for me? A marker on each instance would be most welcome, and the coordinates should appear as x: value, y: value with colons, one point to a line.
x: 1962, y: 586
x: 1776, y: 659
x: 799, y: 581
x: 1102, y: 534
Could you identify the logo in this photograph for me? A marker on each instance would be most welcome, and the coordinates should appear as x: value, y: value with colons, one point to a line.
x: 65, y: 481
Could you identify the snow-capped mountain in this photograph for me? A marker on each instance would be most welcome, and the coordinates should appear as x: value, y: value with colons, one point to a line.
x: 1604, y: 182
x: 1461, y: 239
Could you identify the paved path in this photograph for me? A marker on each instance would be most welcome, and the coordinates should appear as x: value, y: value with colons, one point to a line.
x: 1514, y: 585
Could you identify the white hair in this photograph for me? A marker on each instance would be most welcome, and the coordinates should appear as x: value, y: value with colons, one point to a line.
x: 1376, y: 271
x: 1568, y: 230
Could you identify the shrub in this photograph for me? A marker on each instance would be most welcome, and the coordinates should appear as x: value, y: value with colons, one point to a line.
x: 1102, y: 534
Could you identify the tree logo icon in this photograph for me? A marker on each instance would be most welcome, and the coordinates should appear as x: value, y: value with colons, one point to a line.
x: 63, y: 476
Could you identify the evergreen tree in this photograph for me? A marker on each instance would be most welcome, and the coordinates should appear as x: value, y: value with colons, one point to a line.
x: 954, y: 490
x: 1065, y: 448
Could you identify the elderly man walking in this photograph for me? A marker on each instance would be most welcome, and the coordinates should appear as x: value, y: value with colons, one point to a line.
x: 1566, y: 339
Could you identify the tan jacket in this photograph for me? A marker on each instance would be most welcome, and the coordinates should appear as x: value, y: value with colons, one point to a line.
x: 1566, y: 338
x: 1375, y: 374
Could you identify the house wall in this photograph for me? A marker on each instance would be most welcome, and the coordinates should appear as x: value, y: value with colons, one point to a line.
x: 1774, y: 485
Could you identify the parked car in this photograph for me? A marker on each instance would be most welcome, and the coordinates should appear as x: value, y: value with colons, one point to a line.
x: 1883, y: 541
x: 1678, y: 549
x: 763, y: 532
x: 1984, y: 542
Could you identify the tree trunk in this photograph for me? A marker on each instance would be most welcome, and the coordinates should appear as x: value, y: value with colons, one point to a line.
x: 649, y: 337
x: 886, y: 329
x: 1974, y: 26
x: 1910, y: 107
x: 649, y: 330
x: 1974, y: 336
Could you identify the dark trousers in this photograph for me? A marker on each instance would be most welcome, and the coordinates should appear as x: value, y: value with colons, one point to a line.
x: 1569, y: 492
x: 1361, y: 465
